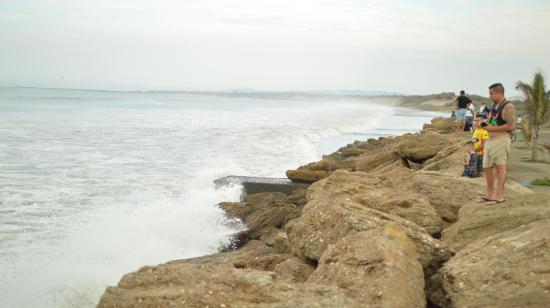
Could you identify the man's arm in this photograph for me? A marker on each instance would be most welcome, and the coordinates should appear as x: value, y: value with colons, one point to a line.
x: 509, y: 115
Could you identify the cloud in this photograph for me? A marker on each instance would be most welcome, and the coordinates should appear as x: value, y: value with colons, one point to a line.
x: 410, y: 46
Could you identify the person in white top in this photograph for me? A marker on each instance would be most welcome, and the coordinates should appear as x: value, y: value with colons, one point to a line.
x: 470, y: 111
x: 482, y: 109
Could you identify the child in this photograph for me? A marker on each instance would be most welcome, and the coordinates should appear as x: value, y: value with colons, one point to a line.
x: 479, y: 137
x: 470, y: 160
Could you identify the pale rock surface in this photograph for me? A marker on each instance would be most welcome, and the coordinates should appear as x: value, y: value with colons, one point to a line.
x: 192, y: 285
x: 378, y: 268
x: 324, y: 222
x: 374, y: 192
x: 507, y: 269
x: 478, y: 220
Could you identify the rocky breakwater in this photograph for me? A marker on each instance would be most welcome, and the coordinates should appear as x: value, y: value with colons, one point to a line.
x: 385, y: 223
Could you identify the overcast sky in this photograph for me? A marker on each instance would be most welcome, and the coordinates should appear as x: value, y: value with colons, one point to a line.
x: 408, y: 46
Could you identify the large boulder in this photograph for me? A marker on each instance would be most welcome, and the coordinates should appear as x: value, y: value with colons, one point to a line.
x: 378, y: 268
x: 192, y: 285
x: 441, y: 125
x: 372, y: 191
x: 324, y: 222
x: 447, y: 160
x: 477, y: 220
x: 305, y: 175
x: 372, y: 161
x: 448, y: 193
x: 257, y: 255
x: 507, y: 269
x: 420, y: 147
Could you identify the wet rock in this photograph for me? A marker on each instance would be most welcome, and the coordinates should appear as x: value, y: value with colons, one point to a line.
x: 261, y: 213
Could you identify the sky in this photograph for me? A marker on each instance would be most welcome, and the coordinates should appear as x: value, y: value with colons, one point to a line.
x: 407, y: 46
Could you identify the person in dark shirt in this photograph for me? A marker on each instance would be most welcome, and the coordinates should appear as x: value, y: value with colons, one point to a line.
x: 461, y: 104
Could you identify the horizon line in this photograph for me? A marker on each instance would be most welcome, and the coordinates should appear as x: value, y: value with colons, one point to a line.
x: 240, y: 90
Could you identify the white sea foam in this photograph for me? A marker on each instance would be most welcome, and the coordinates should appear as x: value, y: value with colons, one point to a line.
x: 95, y: 187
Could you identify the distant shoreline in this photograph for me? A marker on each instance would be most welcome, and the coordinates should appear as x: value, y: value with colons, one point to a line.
x: 432, y: 102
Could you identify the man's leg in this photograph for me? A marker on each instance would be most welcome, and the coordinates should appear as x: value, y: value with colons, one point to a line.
x: 490, y: 179
x: 501, y: 169
x: 480, y: 172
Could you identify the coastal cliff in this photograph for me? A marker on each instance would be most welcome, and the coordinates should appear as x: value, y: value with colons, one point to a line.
x: 386, y: 222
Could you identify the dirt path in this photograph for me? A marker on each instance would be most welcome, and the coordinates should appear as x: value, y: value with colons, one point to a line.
x: 524, y: 172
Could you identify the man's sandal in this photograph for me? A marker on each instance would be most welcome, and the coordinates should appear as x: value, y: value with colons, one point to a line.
x: 493, y: 202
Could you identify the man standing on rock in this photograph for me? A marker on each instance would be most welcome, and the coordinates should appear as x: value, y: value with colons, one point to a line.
x: 497, y: 148
x: 461, y: 104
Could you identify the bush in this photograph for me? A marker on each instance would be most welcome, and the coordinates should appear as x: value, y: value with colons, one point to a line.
x: 541, y: 182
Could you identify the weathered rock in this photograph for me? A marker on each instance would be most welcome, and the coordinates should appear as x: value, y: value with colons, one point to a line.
x: 420, y: 147
x: 298, y: 197
x: 328, y: 163
x: 261, y: 213
x: 441, y: 125
x: 378, y: 268
x: 372, y: 161
x: 409, y: 150
x: 251, y: 250
x: 268, y: 235
x: 447, y: 160
x: 324, y: 222
x: 256, y: 255
x: 508, y: 269
x: 281, y: 244
x: 192, y: 285
x: 373, y: 191
x: 307, y: 176
x: 477, y: 220
x: 448, y: 193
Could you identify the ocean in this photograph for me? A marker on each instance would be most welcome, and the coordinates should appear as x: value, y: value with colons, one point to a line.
x: 96, y: 184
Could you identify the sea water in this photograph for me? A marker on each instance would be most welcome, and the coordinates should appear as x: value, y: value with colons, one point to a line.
x: 95, y: 184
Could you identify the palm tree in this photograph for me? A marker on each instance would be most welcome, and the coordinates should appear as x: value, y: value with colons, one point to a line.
x: 537, y: 101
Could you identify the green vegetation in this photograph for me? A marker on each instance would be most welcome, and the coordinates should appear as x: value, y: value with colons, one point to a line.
x: 537, y: 101
x: 541, y: 182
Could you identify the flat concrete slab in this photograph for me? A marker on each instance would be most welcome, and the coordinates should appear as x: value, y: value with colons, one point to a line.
x: 253, y: 185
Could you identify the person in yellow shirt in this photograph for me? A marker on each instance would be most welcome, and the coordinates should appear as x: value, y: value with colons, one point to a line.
x: 479, y: 137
